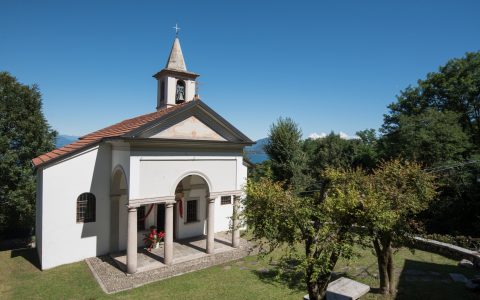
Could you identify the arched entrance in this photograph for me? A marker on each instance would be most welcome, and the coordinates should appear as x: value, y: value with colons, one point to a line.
x: 191, y: 207
x: 118, y: 211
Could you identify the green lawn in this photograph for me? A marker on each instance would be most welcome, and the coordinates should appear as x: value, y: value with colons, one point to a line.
x: 248, y: 278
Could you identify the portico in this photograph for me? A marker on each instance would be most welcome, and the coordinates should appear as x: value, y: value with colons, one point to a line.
x: 168, y: 244
x: 185, y: 250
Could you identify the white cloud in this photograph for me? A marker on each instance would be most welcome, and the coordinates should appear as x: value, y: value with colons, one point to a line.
x: 315, y: 135
x: 345, y: 136
x: 321, y: 135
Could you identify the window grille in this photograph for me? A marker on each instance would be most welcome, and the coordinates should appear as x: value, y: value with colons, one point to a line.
x: 86, y: 208
x: 226, y: 200
x: 192, y: 211
x: 141, y: 218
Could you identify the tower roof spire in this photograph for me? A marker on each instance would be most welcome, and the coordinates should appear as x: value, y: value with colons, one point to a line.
x: 175, y: 60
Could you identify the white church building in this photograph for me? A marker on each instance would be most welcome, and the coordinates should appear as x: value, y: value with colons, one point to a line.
x: 179, y: 168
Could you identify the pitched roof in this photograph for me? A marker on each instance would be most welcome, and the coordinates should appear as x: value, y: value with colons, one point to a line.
x: 116, y: 130
x: 175, y: 60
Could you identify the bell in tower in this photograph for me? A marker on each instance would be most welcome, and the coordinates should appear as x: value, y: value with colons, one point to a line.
x: 180, y: 92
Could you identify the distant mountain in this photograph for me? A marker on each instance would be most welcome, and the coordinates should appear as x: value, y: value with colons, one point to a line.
x: 63, y: 140
x: 258, y: 147
x: 256, y: 153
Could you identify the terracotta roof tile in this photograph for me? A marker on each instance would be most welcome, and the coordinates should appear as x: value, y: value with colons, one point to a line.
x: 115, y: 130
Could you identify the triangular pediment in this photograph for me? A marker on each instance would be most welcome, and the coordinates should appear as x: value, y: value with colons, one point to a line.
x: 189, y: 129
x: 193, y: 121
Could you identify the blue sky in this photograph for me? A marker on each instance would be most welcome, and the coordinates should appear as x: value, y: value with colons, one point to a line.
x: 329, y: 65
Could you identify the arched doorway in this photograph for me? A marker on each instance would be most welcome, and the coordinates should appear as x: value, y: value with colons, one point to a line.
x: 191, y: 207
x: 118, y: 211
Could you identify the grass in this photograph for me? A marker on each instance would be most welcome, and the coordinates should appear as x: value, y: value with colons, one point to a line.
x: 249, y: 278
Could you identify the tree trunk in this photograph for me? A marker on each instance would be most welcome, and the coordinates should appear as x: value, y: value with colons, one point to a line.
x: 312, y: 285
x: 382, y: 259
x: 317, y: 287
x: 313, y: 291
x: 391, y: 271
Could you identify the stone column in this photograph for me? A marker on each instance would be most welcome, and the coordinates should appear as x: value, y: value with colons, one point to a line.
x: 132, y: 240
x: 168, y: 244
x: 235, y: 223
x: 211, y: 226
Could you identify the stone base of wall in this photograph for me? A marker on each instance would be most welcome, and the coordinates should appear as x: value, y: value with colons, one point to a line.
x: 447, y: 250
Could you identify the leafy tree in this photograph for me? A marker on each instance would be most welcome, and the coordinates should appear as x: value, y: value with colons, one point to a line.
x: 367, y: 152
x: 388, y: 200
x: 396, y: 193
x: 437, y: 122
x: 321, y: 222
x: 432, y: 137
x: 288, y: 160
x: 294, y: 206
x: 455, y: 87
x: 261, y: 170
x: 336, y: 152
x: 24, y: 134
x: 332, y: 151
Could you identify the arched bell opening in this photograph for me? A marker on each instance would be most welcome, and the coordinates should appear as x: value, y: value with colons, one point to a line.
x: 180, y: 92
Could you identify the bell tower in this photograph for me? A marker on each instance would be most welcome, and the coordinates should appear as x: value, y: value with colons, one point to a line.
x: 175, y: 84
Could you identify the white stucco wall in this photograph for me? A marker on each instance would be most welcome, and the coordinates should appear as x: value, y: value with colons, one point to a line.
x: 62, y: 239
x: 39, y: 215
x: 223, y: 215
x: 186, y: 230
x: 121, y: 160
x: 159, y: 175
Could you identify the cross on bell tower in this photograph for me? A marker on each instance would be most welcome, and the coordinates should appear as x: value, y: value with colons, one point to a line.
x: 175, y: 84
x: 177, y: 29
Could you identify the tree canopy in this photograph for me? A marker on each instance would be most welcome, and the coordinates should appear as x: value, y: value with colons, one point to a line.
x: 24, y: 134
x: 437, y: 123
x: 455, y: 88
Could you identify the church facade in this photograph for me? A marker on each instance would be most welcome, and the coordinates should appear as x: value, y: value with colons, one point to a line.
x: 179, y: 169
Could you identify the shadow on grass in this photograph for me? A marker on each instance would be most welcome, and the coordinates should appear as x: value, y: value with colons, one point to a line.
x: 286, y: 273
x: 29, y: 254
x: 11, y: 244
x: 425, y: 280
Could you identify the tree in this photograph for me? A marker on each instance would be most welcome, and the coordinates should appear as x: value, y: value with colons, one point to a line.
x: 367, y: 154
x: 288, y: 160
x: 336, y: 152
x: 437, y: 122
x: 321, y: 222
x: 432, y: 137
x: 24, y: 134
x: 293, y: 207
x: 387, y: 201
x: 396, y: 192
x: 455, y: 87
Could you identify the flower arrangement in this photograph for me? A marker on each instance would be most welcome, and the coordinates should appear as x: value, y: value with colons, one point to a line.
x: 153, y: 239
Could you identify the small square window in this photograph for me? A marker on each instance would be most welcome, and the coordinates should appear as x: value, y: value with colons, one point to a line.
x: 192, y: 215
x: 226, y: 200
